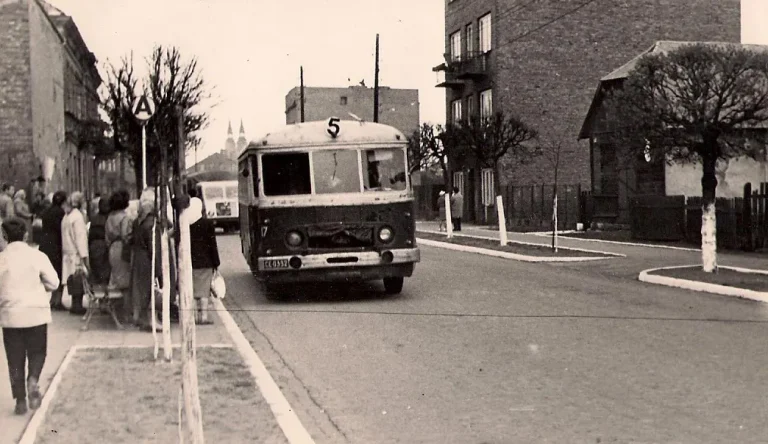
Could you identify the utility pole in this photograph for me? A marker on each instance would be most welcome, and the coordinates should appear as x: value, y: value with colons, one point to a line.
x: 301, y: 93
x: 376, y: 84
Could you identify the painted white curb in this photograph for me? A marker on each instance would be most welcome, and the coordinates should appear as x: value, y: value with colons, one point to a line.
x: 30, y: 432
x: 630, y: 244
x: 761, y: 296
x: 504, y: 254
x: 584, y: 250
x: 286, y: 417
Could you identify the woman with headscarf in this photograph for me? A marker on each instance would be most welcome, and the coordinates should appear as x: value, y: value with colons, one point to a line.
x: 141, y: 266
x: 74, y: 248
x: 117, y: 232
x: 50, y: 240
x: 205, y: 258
x: 21, y: 208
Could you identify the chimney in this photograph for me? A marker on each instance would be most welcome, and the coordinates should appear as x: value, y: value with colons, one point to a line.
x: 753, y: 16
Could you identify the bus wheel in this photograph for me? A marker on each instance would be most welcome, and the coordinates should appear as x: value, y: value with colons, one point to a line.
x: 393, y: 285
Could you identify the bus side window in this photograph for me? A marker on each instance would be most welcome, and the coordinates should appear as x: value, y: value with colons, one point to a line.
x: 254, y: 161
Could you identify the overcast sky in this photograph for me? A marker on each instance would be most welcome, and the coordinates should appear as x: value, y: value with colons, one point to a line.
x: 251, y: 50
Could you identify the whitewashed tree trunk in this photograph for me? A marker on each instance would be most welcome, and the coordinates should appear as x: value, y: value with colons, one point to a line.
x: 448, y: 221
x: 554, y: 221
x: 709, y: 237
x: 152, y: 314
x: 189, y: 382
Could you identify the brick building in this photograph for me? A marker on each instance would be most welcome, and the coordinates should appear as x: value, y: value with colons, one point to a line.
x: 48, y: 98
x: 541, y: 61
x: 397, y: 107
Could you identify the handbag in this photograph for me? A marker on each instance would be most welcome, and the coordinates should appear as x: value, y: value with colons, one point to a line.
x: 76, y: 284
x: 218, y: 286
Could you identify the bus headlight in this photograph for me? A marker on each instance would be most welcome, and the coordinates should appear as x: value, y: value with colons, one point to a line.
x: 386, y: 235
x: 293, y: 238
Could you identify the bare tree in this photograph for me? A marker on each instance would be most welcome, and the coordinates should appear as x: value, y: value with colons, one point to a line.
x: 552, y: 149
x: 488, y: 140
x: 699, y: 103
x: 426, y: 149
x: 172, y: 82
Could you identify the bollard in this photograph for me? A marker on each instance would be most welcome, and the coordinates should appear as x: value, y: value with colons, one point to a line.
x: 448, y: 221
x: 502, y: 221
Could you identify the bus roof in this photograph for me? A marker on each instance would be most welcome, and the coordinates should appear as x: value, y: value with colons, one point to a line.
x: 351, y: 132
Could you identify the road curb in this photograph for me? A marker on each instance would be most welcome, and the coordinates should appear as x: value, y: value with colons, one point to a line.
x: 504, y: 254
x: 584, y: 250
x: 629, y: 244
x: 648, y: 277
x: 286, y: 417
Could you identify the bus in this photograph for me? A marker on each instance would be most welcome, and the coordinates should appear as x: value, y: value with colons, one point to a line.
x: 220, y: 202
x: 328, y: 201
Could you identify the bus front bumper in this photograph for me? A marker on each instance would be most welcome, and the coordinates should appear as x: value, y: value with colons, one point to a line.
x: 367, y: 265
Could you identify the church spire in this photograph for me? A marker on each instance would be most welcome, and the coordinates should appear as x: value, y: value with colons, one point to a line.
x: 242, y: 142
x: 229, y: 130
x: 242, y: 128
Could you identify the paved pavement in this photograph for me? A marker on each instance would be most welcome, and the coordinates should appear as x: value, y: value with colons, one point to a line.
x: 63, y: 333
x: 484, y: 350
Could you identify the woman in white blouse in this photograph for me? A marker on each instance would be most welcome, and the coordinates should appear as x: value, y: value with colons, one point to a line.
x: 74, y: 247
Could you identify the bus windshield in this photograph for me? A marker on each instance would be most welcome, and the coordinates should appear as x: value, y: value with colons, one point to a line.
x: 231, y: 192
x: 334, y: 171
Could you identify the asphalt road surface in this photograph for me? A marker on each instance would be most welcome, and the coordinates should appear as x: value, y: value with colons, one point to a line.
x: 484, y: 350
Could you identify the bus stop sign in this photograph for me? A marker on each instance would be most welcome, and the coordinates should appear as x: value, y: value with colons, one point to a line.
x: 143, y: 108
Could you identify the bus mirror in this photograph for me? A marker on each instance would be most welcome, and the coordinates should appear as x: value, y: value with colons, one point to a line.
x: 246, y: 173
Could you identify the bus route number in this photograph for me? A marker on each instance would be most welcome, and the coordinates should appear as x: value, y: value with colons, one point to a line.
x: 333, y: 127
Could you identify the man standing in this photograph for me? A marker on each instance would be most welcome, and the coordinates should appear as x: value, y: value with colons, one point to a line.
x: 457, y: 208
x: 6, y: 202
x: 26, y: 278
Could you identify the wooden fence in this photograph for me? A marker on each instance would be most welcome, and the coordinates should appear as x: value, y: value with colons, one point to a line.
x: 742, y: 222
x: 530, y: 207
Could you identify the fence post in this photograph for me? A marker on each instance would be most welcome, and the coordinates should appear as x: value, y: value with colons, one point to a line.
x: 448, y: 221
x: 502, y: 220
x: 746, y: 217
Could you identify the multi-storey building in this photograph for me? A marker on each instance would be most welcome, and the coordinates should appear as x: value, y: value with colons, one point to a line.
x: 397, y: 107
x: 541, y: 60
x: 48, y: 98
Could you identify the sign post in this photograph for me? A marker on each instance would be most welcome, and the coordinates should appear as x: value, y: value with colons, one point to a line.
x: 143, y: 108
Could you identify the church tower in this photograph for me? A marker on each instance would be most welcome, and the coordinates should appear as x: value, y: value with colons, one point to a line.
x: 242, y: 142
x: 229, y: 147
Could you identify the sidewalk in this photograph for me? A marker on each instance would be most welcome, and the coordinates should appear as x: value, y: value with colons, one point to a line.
x: 64, y: 332
x: 638, y: 258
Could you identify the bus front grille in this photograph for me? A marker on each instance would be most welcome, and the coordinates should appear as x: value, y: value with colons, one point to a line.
x: 338, y: 237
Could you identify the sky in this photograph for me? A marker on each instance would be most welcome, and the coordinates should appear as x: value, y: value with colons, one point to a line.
x: 250, y: 51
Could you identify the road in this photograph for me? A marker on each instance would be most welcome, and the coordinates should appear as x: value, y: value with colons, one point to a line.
x: 484, y: 350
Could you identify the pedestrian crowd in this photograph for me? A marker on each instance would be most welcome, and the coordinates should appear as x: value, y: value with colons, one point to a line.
x: 58, y: 246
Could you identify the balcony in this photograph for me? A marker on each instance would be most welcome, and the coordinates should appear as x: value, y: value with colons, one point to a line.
x: 471, y: 66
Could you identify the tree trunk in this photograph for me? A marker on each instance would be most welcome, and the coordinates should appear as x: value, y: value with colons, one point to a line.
x: 708, y: 215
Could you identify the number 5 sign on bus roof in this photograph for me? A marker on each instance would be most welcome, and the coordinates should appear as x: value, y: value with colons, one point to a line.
x: 143, y: 108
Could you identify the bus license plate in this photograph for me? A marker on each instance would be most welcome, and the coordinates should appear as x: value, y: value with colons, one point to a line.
x: 272, y: 264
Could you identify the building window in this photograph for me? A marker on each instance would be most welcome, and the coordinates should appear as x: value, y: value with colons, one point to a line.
x: 456, y: 111
x: 470, y: 107
x: 486, y: 186
x: 456, y: 46
x: 458, y: 182
x: 484, y: 25
x: 343, y: 100
x: 469, y: 32
x: 486, y: 104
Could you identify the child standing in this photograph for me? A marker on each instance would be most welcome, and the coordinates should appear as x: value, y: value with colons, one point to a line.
x: 26, y: 279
